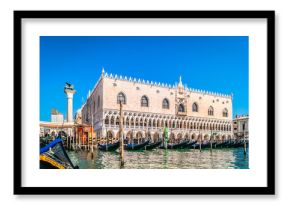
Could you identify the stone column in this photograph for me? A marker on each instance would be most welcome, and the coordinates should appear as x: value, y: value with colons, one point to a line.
x: 69, y: 94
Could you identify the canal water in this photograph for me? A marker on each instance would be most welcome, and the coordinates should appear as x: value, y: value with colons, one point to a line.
x: 227, y: 158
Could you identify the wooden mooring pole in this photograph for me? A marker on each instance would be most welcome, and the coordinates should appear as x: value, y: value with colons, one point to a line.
x: 245, y: 145
x: 199, y: 144
x: 121, y: 137
x: 211, y: 141
x: 92, y: 134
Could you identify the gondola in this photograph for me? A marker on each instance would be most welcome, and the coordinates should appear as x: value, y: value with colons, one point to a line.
x: 229, y: 144
x: 190, y: 144
x: 176, y: 146
x: 240, y: 143
x: 236, y: 144
x: 54, y: 156
x: 109, y: 147
x: 203, y: 145
x: 136, y: 146
x: 151, y: 146
x: 220, y: 144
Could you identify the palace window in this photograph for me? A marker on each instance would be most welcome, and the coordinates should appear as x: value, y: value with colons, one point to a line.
x: 112, y: 120
x: 210, y: 110
x: 121, y: 98
x: 165, y: 104
x: 194, y: 107
x: 181, y: 108
x: 225, y: 112
x: 107, y: 120
x: 144, y: 101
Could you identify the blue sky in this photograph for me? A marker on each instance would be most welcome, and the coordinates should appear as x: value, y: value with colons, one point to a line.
x: 218, y: 64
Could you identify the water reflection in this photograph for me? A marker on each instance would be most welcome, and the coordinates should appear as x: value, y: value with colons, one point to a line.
x: 164, y: 159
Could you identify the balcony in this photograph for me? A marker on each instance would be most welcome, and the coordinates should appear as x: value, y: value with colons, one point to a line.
x: 181, y: 113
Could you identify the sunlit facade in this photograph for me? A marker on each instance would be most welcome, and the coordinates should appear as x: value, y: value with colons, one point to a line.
x: 150, y: 106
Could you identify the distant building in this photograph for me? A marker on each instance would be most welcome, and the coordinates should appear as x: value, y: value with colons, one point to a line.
x: 150, y: 106
x: 241, y: 126
x: 56, y: 116
x: 58, y: 126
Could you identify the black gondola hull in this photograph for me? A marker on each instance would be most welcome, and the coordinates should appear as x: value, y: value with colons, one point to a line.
x: 109, y: 147
x: 176, y: 146
x: 152, y: 145
x: 135, y: 146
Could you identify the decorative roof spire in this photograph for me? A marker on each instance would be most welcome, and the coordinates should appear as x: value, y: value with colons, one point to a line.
x: 103, y: 72
x: 180, y: 82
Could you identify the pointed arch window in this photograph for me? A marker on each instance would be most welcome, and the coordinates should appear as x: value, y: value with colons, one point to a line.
x: 225, y: 112
x: 165, y: 103
x: 194, y: 107
x: 107, y: 120
x: 121, y: 98
x: 181, y: 108
x: 144, y: 101
x: 210, y: 111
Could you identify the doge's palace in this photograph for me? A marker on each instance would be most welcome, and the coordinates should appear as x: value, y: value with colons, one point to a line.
x: 149, y: 106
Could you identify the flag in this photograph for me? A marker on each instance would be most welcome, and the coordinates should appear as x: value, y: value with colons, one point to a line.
x: 166, y: 133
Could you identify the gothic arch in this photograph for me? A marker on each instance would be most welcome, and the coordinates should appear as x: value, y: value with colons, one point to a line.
x: 179, y: 137
x: 107, y: 120
x: 121, y: 97
x: 112, y: 120
x: 165, y: 103
x: 144, y: 101
x: 206, y: 137
x: 156, y: 137
x: 194, y: 107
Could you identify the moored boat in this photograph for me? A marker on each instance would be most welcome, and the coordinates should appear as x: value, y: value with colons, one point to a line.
x: 109, y: 147
x: 220, y: 144
x: 54, y: 156
x: 230, y: 144
x: 151, y: 146
x: 202, y: 145
x: 180, y: 145
x: 190, y: 144
x: 136, y: 146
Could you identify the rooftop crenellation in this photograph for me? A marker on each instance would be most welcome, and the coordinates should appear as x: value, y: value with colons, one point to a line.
x: 158, y: 84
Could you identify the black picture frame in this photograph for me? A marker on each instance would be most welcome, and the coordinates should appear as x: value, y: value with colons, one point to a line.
x: 268, y: 190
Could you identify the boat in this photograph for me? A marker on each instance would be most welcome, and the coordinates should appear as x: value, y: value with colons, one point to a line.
x: 190, y: 144
x: 136, y: 146
x: 230, y: 144
x: 176, y: 146
x: 236, y: 144
x: 109, y: 147
x: 240, y: 143
x: 151, y: 146
x: 220, y: 144
x: 203, y: 145
x: 54, y: 156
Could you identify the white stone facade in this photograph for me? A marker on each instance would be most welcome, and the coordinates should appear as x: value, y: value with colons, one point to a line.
x: 57, y: 118
x: 241, y: 126
x: 149, y: 106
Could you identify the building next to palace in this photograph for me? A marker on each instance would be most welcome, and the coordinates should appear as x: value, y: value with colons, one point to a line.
x: 148, y: 107
x: 241, y: 126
